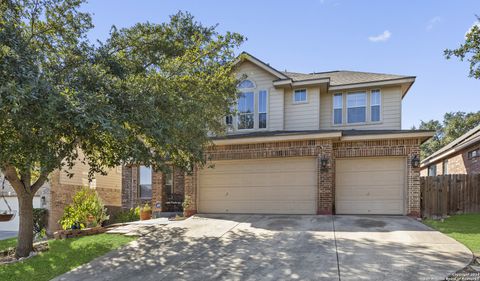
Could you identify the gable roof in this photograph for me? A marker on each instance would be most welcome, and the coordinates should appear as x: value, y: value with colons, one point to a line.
x: 336, y: 80
x: 469, y: 138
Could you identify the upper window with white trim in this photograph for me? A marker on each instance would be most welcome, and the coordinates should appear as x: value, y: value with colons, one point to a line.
x: 337, y: 109
x: 375, y: 105
x: 246, y: 84
x: 300, y: 96
x: 246, y: 111
x: 262, y: 109
x: 356, y: 107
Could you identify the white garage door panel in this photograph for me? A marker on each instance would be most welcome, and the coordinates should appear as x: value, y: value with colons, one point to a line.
x: 370, y: 186
x: 271, y: 186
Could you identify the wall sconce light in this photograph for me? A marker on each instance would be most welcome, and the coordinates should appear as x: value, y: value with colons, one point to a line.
x: 324, y: 163
x: 415, y: 161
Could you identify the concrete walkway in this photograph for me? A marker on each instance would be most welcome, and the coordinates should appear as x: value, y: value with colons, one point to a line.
x: 268, y: 247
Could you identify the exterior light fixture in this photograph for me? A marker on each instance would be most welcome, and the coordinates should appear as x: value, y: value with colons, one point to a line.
x: 324, y: 163
x: 415, y: 161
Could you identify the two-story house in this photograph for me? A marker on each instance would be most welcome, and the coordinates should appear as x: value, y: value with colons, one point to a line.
x: 318, y: 143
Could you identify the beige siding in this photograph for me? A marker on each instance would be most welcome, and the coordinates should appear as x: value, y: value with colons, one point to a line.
x: 370, y: 186
x: 113, y: 179
x: 269, y: 186
x: 302, y: 116
x: 390, y: 110
x: 264, y: 81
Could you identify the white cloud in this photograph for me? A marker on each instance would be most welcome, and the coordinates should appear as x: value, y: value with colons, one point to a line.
x: 432, y: 22
x: 381, y: 37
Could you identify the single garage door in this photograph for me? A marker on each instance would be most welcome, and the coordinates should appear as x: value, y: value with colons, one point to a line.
x: 263, y: 186
x: 370, y: 186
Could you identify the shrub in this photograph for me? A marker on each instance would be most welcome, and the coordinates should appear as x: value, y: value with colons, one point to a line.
x: 146, y: 208
x: 128, y: 215
x: 86, y: 210
x: 39, y: 221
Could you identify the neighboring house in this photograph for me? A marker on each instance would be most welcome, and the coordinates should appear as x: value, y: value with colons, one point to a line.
x: 63, y: 188
x: 318, y: 143
x: 40, y: 200
x: 461, y: 156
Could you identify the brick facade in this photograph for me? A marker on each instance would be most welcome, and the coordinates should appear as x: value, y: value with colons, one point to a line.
x: 330, y: 149
x: 61, y: 195
x: 158, y: 202
x: 457, y: 163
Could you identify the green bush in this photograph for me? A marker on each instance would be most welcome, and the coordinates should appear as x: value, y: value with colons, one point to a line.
x: 86, y: 210
x: 127, y: 215
x: 39, y: 221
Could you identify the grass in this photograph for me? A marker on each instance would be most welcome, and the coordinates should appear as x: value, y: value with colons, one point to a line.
x: 463, y: 228
x: 63, y: 256
x: 8, y: 243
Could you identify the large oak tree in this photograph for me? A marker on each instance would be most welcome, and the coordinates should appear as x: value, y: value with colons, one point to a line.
x: 150, y: 93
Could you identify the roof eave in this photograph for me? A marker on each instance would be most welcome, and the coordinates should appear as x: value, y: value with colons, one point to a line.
x: 246, y: 56
x: 395, y: 81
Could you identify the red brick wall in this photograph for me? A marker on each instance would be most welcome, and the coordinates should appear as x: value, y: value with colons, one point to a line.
x: 458, y: 163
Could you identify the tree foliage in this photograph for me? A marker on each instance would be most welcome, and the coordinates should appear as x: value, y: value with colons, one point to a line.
x: 454, y: 125
x: 469, y: 50
x: 149, y: 94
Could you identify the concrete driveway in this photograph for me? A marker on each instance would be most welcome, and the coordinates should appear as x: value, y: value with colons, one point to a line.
x: 269, y: 247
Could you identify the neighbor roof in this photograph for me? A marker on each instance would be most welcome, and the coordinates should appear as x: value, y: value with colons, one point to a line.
x: 469, y: 138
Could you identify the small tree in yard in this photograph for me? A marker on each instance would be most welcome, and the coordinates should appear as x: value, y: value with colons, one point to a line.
x: 148, y: 94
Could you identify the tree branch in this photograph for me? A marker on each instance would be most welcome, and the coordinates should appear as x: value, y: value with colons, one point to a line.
x: 11, y: 175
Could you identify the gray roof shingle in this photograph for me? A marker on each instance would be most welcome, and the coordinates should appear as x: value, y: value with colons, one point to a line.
x: 344, y: 77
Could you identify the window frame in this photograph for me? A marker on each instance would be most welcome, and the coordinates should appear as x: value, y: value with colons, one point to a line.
x: 333, y: 109
x: 379, y: 106
x: 300, y: 102
x: 365, y: 106
x: 239, y: 114
x: 140, y: 183
x: 471, y: 152
x: 261, y: 112
x: 172, y: 184
x: 430, y: 168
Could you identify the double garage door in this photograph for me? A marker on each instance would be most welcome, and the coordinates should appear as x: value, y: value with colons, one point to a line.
x: 289, y: 186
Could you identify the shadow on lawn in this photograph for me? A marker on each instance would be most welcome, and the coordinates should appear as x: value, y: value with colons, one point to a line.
x: 62, y: 256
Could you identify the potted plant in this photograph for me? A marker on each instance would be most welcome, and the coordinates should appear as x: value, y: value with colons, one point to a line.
x: 187, y: 204
x: 145, y: 212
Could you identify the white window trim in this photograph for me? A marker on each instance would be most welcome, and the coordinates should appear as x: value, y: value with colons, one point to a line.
x: 237, y: 117
x: 333, y: 109
x: 266, y: 110
x: 245, y: 89
x: 366, y: 108
x: 381, y: 108
x: 140, y: 183
x: 300, y: 102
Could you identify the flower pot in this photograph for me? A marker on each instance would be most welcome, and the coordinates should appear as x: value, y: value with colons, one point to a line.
x: 145, y: 215
x: 188, y: 213
x: 6, y: 217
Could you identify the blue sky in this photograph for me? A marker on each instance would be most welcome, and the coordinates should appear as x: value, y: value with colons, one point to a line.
x: 398, y: 37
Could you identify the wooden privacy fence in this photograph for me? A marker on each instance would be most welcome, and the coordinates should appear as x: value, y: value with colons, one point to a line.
x: 450, y: 194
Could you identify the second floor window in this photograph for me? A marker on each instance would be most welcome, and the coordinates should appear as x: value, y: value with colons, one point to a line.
x: 300, y: 96
x: 262, y: 109
x: 145, y: 182
x: 337, y: 109
x: 375, y: 101
x: 246, y: 111
x: 356, y: 107
x: 474, y: 153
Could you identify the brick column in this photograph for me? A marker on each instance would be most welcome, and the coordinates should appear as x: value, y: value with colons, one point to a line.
x: 190, y: 187
x: 325, y: 181
x: 127, y: 187
x: 413, y: 185
x: 158, y: 192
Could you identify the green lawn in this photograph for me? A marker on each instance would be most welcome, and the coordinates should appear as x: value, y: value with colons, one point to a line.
x: 63, y: 256
x: 463, y: 228
x: 8, y: 243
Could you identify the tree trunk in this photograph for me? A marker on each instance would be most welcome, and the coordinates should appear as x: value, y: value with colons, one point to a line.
x: 25, y: 232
